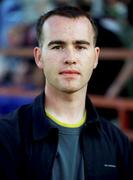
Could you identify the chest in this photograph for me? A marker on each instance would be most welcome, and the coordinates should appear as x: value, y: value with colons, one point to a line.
x: 99, y: 157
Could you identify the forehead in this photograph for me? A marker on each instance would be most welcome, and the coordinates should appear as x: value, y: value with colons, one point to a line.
x: 62, y: 26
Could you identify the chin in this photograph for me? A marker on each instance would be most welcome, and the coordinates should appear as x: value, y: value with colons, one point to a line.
x: 71, y: 90
x: 75, y: 89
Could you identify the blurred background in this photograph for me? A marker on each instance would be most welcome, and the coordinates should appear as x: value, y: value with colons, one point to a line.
x: 111, y: 86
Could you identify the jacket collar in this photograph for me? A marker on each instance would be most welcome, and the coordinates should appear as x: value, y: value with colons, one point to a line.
x: 93, y: 116
x: 41, y: 125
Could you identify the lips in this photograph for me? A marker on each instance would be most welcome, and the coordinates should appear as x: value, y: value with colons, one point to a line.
x: 69, y: 72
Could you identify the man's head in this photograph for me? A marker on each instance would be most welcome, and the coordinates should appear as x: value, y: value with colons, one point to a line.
x: 69, y: 12
x: 66, y: 52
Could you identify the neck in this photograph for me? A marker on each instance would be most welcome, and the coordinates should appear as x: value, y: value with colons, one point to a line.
x: 67, y: 107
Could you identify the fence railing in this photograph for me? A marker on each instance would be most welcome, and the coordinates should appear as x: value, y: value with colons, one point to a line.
x: 106, y: 53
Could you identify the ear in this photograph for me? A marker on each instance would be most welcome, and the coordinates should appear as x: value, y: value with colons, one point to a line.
x: 97, y: 52
x: 38, y: 57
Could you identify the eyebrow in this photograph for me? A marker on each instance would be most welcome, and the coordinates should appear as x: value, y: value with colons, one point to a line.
x: 59, y: 42
x: 56, y: 42
x: 82, y: 42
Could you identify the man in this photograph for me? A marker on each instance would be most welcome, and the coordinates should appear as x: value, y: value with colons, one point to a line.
x: 60, y: 136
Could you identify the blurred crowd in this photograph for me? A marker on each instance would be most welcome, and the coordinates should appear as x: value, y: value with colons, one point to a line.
x: 114, y: 19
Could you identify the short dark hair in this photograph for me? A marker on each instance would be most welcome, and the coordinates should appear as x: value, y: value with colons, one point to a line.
x: 66, y: 11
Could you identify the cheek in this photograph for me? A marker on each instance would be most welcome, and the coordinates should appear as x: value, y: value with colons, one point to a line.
x: 50, y: 57
x: 49, y: 65
x: 88, y: 65
x: 88, y: 60
x: 92, y: 60
x: 88, y: 69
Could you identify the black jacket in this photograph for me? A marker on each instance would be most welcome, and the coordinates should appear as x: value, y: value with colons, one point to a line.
x: 28, y: 146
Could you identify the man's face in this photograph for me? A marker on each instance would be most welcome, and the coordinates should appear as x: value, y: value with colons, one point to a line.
x: 68, y: 55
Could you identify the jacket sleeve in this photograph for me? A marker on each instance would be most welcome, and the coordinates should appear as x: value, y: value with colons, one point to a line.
x: 129, y: 161
x: 125, y: 156
x: 123, y: 148
x: 8, y: 151
x: 7, y: 166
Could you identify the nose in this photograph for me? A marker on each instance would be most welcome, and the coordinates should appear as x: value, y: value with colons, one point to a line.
x: 70, y: 57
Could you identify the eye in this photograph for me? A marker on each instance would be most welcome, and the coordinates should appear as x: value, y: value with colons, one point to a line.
x: 81, y: 47
x: 58, y: 47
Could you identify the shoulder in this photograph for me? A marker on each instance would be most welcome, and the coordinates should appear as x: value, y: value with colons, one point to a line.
x: 115, y: 135
x: 110, y: 128
x: 10, y: 124
x: 18, y: 124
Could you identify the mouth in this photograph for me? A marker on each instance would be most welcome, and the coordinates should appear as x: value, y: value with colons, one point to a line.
x: 69, y: 72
